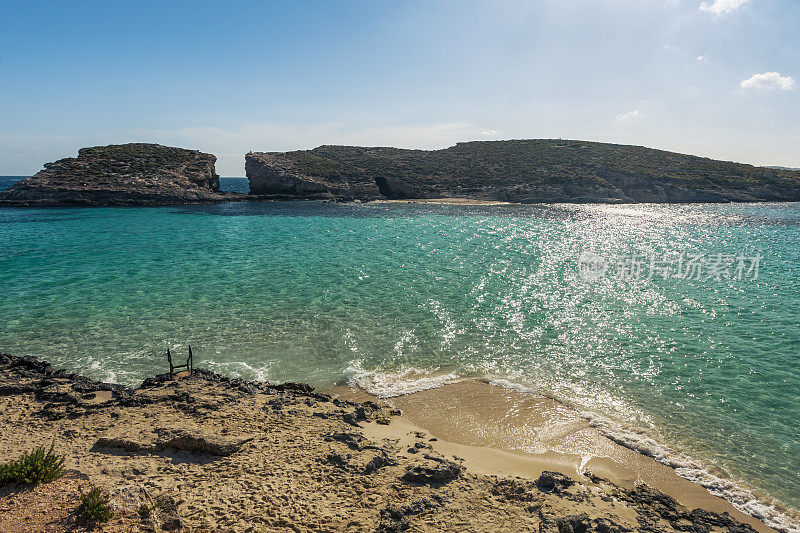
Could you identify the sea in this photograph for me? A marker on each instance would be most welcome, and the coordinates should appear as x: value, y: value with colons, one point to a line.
x: 674, y: 329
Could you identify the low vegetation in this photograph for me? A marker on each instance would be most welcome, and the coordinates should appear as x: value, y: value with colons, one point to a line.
x: 145, y: 511
x: 94, y: 508
x: 41, y: 465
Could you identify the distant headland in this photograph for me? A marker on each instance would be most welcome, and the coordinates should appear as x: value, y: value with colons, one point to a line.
x: 523, y: 171
x: 518, y: 171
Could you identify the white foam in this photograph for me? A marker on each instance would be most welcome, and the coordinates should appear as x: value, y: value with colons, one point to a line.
x: 744, y: 499
x: 398, y: 382
x: 240, y: 369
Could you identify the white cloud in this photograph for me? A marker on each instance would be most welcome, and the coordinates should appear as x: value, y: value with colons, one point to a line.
x: 702, y: 59
x: 768, y: 80
x: 629, y: 115
x: 722, y: 7
x: 489, y: 133
x: 671, y: 47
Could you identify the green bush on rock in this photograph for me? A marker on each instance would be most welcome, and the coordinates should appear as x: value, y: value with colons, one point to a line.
x: 39, y: 466
x: 94, y: 507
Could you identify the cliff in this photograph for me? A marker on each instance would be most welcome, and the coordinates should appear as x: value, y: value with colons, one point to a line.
x: 122, y: 174
x: 526, y: 171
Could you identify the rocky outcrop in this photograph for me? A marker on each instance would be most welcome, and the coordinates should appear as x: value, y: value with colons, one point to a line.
x: 269, y: 175
x: 272, y: 175
x: 196, y: 442
x: 525, y: 171
x: 210, y: 453
x: 122, y: 175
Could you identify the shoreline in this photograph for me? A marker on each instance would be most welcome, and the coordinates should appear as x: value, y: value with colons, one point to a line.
x: 504, y: 431
x: 444, y: 201
x: 231, y: 454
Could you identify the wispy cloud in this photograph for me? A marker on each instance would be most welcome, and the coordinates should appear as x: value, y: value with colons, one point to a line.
x: 768, y: 81
x: 629, y: 115
x: 702, y: 59
x: 489, y: 133
x: 722, y: 7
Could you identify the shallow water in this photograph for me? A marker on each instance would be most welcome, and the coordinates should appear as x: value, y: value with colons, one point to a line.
x: 401, y: 297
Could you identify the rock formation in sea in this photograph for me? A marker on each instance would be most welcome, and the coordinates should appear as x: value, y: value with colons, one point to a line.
x: 526, y: 171
x: 122, y: 174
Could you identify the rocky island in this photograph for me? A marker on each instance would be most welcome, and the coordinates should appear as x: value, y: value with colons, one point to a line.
x: 523, y: 171
x: 122, y: 175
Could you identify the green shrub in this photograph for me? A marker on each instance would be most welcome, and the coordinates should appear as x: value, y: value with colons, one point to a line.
x: 39, y: 466
x: 94, y: 507
x: 145, y: 511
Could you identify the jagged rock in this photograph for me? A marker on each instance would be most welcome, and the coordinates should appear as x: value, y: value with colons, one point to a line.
x: 123, y: 174
x: 168, y: 513
x: 574, y: 524
x: 435, y: 471
x: 515, y: 490
x: 368, y: 461
x: 652, y: 504
x: 184, y: 440
x: 395, y: 518
x: 419, y: 446
x: 553, y: 481
x: 354, y: 441
x: 604, y: 525
x: 200, y: 443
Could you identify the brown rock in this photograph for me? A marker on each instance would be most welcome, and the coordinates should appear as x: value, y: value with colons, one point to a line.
x: 123, y: 174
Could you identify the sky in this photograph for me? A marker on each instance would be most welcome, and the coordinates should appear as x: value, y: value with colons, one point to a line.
x: 716, y: 78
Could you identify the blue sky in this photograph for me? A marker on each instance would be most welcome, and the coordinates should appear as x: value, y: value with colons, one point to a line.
x: 713, y: 78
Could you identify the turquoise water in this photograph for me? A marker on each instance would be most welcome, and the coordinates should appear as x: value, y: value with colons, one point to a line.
x: 399, y: 297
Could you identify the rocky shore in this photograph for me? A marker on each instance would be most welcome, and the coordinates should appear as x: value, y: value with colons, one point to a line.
x: 122, y: 175
x: 203, y: 452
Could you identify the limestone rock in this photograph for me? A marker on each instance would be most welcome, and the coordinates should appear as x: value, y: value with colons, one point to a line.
x: 436, y: 470
x: 178, y: 439
x: 123, y: 174
x: 553, y: 481
x: 524, y: 171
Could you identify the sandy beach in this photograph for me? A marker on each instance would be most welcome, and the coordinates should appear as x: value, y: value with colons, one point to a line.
x: 499, y: 431
x: 443, y: 201
x: 209, y: 453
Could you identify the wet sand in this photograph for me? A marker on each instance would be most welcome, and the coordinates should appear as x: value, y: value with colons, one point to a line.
x: 444, y: 201
x: 499, y: 431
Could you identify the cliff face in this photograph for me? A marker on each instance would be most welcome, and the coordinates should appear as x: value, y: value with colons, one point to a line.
x: 274, y: 174
x: 529, y: 171
x: 123, y: 174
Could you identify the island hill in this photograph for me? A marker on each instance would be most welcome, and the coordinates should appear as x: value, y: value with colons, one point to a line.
x: 524, y: 171
x: 123, y: 174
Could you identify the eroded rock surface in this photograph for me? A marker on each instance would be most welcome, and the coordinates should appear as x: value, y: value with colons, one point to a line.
x: 120, y: 175
x: 210, y: 453
x: 524, y: 171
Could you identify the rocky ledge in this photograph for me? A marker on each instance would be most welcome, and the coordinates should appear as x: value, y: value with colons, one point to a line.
x: 122, y: 175
x: 523, y: 171
x: 209, y: 453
